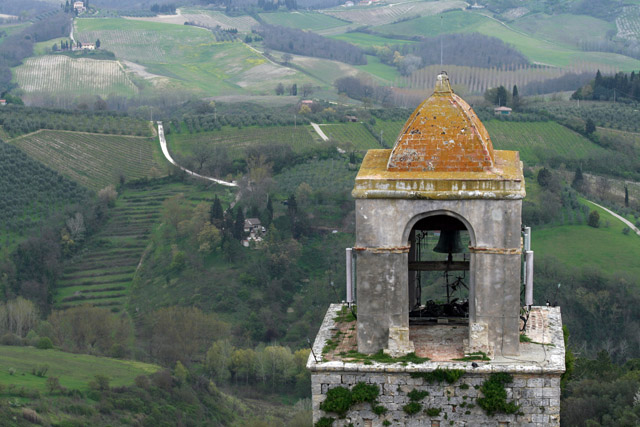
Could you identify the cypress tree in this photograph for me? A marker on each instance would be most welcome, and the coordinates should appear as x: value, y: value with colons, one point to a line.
x: 238, y: 226
x: 216, y: 214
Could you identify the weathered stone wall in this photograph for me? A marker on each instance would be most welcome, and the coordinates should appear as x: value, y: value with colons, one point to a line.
x: 537, y: 395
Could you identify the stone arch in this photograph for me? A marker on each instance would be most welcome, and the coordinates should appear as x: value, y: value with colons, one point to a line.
x: 414, y: 220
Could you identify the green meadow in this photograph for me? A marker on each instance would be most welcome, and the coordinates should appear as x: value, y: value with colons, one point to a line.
x: 73, y: 370
x: 311, y: 21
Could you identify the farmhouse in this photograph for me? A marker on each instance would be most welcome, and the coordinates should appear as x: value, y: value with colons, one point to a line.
x: 79, y: 6
x: 88, y: 46
x: 502, y: 111
x: 252, y: 225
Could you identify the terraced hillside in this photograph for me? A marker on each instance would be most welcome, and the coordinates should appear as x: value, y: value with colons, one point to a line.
x: 93, y: 160
x: 101, y: 275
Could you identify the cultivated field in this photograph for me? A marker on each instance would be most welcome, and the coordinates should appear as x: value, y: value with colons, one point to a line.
x: 208, y: 18
x: 75, y: 371
x: 300, y: 138
x: 476, y: 80
x: 93, y: 160
x: 59, y: 74
x: 351, y: 136
x: 101, y: 275
x: 576, y: 30
x: 189, y: 57
x: 628, y: 23
x: 386, y: 14
x: 539, y: 141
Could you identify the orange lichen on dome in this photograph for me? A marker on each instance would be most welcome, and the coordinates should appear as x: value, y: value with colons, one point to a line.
x: 443, y: 134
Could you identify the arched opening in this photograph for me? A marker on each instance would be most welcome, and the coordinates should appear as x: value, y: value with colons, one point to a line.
x: 440, y: 284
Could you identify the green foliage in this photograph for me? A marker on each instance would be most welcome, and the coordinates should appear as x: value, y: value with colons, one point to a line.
x: 363, y: 392
x: 417, y: 395
x: 524, y: 338
x: 569, y: 359
x: 40, y: 370
x: 100, y: 382
x: 495, y: 395
x: 386, y: 423
x: 338, y: 400
x: 325, y: 422
x: 433, y: 412
x: 382, y: 357
x: 379, y: 410
x: 412, y: 408
x: 32, y: 192
x: 594, y: 219
x: 44, y: 343
x: 439, y: 375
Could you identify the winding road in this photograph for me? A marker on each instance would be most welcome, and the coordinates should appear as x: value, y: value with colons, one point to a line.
x: 165, y: 151
x: 627, y: 222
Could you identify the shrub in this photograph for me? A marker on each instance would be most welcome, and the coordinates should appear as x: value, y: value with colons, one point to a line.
x: 412, y: 408
x: 433, y: 412
x: 100, y: 382
x: 31, y: 416
x: 40, y: 370
x: 495, y: 395
x: 594, y: 219
x: 626, y: 231
x: 44, y: 343
x: 324, y: 422
x: 338, y: 401
x: 53, y: 384
x: 416, y: 395
x: 362, y: 392
x: 10, y: 339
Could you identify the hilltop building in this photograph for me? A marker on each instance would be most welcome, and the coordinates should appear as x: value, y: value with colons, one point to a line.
x: 437, y: 336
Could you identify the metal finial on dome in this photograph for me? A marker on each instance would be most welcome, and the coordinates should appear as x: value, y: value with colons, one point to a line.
x: 442, y: 83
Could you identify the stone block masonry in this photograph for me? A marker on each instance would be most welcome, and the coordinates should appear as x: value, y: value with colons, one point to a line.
x: 537, y: 395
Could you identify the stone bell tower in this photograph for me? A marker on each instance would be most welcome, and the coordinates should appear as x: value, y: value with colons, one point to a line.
x: 442, y: 173
x: 438, y: 258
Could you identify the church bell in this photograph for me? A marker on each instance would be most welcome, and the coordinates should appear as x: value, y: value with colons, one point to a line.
x: 449, y: 242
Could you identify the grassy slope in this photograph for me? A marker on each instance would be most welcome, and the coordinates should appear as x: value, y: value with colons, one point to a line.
x: 606, y: 248
x: 74, y: 370
x: 93, y: 160
x: 189, y: 56
x: 311, y: 21
x: 543, y: 39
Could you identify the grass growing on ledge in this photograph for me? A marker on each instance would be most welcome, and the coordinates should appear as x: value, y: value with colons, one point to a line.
x: 495, y: 396
x: 345, y: 315
x: 381, y: 357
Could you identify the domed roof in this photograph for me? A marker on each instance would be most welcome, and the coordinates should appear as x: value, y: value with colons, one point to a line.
x: 443, y: 134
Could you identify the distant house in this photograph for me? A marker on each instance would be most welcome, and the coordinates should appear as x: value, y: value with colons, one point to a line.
x: 351, y: 118
x: 79, y: 6
x: 3, y: 102
x: 253, y: 225
x: 307, y: 102
x: 88, y: 46
x: 502, y: 111
x: 349, y: 3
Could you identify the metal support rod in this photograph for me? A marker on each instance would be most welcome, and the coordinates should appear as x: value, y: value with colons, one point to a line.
x: 528, y: 279
x: 349, y: 271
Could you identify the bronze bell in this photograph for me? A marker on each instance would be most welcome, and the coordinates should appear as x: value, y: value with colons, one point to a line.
x: 449, y: 242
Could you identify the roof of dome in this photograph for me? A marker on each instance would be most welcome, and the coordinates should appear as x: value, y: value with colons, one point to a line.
x: 443, y: 134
